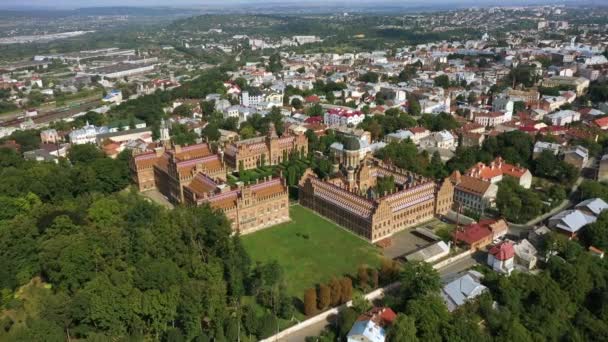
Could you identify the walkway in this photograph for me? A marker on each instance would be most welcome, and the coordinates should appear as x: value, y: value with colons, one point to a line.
x: 447, y: 273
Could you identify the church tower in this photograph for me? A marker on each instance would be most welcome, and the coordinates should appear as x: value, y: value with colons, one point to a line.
x: 165, y: 137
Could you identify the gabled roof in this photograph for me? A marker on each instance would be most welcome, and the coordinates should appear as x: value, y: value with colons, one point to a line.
x: 473, y: 185
x: 571, y: 220
x: 472, y: 233
x: 503, y: 251
x: 458, y: 291
x: 594, y: 205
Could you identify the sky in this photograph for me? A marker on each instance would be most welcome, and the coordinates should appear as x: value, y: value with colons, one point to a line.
x: 63, y: 4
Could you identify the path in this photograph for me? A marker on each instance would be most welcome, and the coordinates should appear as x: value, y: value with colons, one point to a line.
x: 447, y: 273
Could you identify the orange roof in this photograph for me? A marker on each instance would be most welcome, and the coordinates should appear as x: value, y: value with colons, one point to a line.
x: 473, y: 185
x: 602, y: 122
x: 201, y: 184
x: 497, y: 168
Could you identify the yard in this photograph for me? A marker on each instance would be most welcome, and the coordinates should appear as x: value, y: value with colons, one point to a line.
x: 311, y: 250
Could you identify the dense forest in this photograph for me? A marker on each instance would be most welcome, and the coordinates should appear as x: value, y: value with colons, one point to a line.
x: 83, y: 257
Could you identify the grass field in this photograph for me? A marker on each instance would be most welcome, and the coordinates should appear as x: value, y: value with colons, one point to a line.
x: 311, y: 250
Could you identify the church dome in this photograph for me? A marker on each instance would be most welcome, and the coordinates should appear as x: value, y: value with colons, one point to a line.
x: 352, y: 144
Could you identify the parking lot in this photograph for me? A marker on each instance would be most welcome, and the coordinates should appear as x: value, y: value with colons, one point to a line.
x: 407, y: 241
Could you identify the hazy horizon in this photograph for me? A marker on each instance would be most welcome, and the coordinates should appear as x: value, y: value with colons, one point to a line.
x: 74, y: 4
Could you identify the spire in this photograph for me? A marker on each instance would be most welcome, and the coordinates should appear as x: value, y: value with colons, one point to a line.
x: 272, y: 131
x: 165, y: 137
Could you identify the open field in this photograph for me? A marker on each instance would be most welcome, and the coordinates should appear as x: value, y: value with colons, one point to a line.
x: 311, y: 250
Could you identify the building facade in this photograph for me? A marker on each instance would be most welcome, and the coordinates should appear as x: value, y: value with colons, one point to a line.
x: 260, y: 151
x: 351, y: 199
x: 249, y: 208
x: 195, y: 175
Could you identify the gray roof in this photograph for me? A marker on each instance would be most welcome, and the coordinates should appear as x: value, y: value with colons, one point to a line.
x: 467, y: 287
x: 571, y: 220
x: 594, y: 205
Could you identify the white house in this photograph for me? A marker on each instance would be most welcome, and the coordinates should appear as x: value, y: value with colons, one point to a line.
x: 501, y: 257
x: 86, y: 135
x: 563, y: 117
x: 443, y: 139
x: 115, y: 96
x: 371, y: 326
x: 343, y: 117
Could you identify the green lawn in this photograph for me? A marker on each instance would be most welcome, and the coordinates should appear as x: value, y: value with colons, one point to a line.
x: 311, y: 250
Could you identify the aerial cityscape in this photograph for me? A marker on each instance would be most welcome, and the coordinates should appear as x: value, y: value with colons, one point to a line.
x: 247, y: 170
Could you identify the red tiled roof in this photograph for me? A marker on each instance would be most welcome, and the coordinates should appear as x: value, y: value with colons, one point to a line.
x: 603, y: 122
x: 314, y: 119
x: 472, y: 233
x: 503, y: 251
x: 382, y: 316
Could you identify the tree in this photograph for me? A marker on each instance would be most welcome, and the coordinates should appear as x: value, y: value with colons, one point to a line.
x: 310, y: 302
x: 247, y: 132
x: 596, y: 234
x: 183, y: 110
x: 315, y: 110
x: 211, y: 132
x: 296, y: 103
x: 324, y: 296
x: 375, y: 278
x: 430, y: 313
x: 346, y: 319
x: 336, y: 292
x: 84, y: 153
x: 360, y: 304
x: 369, y: 77
x: 268, y: 326
x: 403, y: 329
x: 363, y: 276
x: 419, y: 279
x: 347, y: 289
x: 389, y: 270
x: 442, y: 81
x: 515, y: 203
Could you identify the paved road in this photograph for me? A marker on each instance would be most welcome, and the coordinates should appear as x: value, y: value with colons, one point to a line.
x: 448, y: 273
x: 573, y: 198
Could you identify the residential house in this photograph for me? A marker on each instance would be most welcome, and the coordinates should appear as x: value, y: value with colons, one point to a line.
x: 501, y: 257
x: 415, y: 134
x: 472, y: 193
x: 497, y: 169
x: 569, y: 222
x: 372, y: 326
x: 86, y: 135
x: 563, y: 117
x: 577, y: 156
x: 541, y: 146
x: 459, y: 291
x: 479, y: 235
x: 443, y: 140
x: 602, y: 173
x: 601, y: 123
x: 592, y: 206
x: 525, y: 254
x: 343, y: 117
x: 492, y: 119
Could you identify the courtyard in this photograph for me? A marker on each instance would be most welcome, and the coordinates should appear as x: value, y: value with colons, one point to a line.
x: 311, y: 250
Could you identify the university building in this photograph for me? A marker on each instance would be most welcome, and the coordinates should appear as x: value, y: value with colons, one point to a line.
x: 249, y: 208
x: 269, y: 150
x: 195, y: 175
x: 169, y: 170
x: 351, y: 199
